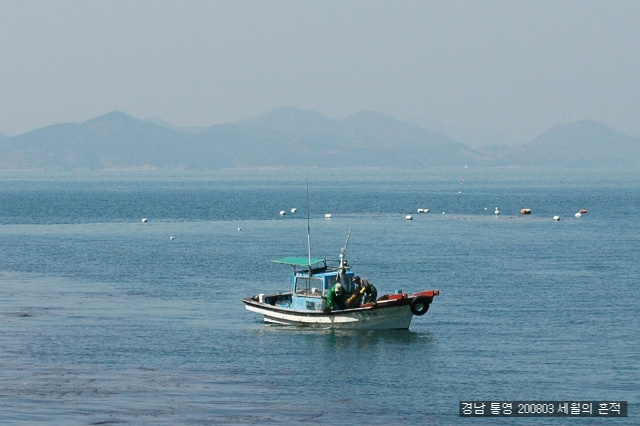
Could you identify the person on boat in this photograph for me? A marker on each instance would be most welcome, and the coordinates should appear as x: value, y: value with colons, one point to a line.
x: 355, y: 298
x: 370, y: 291
x: 335, y: 298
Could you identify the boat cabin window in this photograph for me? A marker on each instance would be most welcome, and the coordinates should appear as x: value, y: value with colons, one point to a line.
x: 306, y: 286
x: 346, y: 283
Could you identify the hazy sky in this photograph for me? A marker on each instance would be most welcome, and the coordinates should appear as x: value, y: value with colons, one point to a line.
x: 518, y: 66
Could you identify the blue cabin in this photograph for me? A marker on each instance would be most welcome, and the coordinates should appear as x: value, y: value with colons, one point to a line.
x: 311, y: 279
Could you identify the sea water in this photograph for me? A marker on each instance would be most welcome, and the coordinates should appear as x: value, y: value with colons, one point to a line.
x: 106, y: 319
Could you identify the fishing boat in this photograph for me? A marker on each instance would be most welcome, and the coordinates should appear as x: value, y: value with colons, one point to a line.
x: 312, y: 279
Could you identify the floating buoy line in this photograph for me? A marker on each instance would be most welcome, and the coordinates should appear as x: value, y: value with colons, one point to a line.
x: 496, y: 211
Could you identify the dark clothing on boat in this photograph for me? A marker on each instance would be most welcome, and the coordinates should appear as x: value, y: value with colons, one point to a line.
x: 355, y: 299
x: 370, y: 291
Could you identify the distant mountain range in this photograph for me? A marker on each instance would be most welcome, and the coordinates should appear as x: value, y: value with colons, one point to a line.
x: 291, y: 137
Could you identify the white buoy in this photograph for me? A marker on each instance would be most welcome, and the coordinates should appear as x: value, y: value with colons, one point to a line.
x: 408, y: 217
x: 578, y: 215
x: 282, y: 212
x: 239, y: 229
x: 328, y: 216
x: 172, y: 238
x: 293, y: 210
x: 144, y: 220
x: 496, y: 211
x: 556, y: 218
x: 444, y: 212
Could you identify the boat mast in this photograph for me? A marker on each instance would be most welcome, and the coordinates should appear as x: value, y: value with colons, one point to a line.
x: 308, y: 230
x: 344, y: 247
x: 343, y: 262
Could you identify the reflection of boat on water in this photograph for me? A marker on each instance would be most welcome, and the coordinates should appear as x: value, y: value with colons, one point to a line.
x: 306, y: 304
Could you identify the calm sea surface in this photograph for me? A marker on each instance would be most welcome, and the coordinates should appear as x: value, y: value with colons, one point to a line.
x: 105, y: 319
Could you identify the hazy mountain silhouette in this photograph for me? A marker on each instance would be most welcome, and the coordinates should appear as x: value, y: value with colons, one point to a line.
x: 290, y: 137
x: 584, y: 143
x: 164, y: 123
x: 474, y: 136
x: 294, y: 121
x: 114, y: 140
x: 367, y: 138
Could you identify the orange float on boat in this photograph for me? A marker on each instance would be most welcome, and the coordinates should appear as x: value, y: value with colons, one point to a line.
x: 582, y: 211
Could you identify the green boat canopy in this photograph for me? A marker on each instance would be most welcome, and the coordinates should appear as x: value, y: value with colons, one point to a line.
x: 299, y: 261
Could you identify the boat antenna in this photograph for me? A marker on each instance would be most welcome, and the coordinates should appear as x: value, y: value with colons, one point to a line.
x: 346, y: 243
x: 308, y: 229
x: 343, y: 262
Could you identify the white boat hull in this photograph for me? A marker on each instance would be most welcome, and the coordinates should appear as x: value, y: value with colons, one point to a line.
x: 374, y: 318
